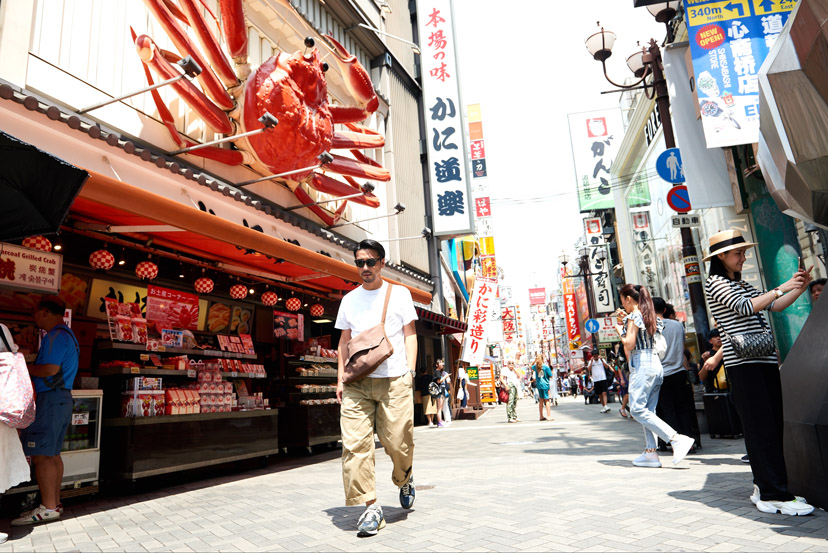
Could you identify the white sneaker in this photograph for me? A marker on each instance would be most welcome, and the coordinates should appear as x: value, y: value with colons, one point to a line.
x: 756, y: 497
x: 36, y: 516
x: 431, y: 425
x: 3, y: 537
x: 647, y: 459
x: 605, y: 409
x: 791, y: 508
x: 681, y: 445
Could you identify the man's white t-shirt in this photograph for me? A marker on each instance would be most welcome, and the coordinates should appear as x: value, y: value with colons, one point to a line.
x: 598, y: 372
x: 361, y: 310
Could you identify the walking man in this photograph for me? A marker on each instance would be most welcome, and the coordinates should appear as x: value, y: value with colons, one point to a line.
x: 53, y: 374
x: 675, y: 401
x: 382, y: 402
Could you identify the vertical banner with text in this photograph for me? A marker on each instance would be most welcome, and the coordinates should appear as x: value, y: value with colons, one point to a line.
x: 595, y: 137
x: 450, y: 194
x: 480, y: 305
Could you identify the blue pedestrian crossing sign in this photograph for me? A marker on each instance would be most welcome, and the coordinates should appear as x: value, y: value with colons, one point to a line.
x: 592, y: 326
x: 670, y: 167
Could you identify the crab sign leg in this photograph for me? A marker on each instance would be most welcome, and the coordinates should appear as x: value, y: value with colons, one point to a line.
x: 214, y: 117
x: 344, y: 140
x: 328, y: 185
x: 359, y: 168
x: 234, y: 28
x: 358, y: 83
x: 303, y: 197
x: 212, y: 85
x: 211, y: 46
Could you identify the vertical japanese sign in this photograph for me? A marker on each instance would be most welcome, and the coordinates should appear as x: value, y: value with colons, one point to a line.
x: 480, y: 304
x: 728, y: 42
x: 604, y: 300
x: 645, y: 249
x: 477, y: 147
x: 570, y: 311
x: 507, y: 317
x: 450, y: 194
x: 595, y: 138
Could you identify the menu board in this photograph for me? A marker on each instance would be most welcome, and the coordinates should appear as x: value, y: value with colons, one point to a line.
x: 488, y: 393
x: 290, y: 326
x: 229, y: 319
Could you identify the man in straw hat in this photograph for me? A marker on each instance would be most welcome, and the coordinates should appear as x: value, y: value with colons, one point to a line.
x: 753, y: 371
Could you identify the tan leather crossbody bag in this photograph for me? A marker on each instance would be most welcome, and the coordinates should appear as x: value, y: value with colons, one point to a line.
x: 369, y: 349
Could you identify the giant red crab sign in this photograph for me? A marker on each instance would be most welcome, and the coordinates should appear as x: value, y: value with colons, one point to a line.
x: 291, y: 87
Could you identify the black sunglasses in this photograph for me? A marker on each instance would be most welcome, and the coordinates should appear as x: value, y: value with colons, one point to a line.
x: 363, y: 262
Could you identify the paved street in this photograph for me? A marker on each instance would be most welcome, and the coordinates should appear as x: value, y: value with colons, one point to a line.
x: 484, y: 485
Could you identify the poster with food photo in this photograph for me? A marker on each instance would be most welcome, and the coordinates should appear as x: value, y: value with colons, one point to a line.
x: 240, y: 320
x: 289, y: 326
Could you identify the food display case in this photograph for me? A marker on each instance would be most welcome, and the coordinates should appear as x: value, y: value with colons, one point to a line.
x: 311, y: 411
x: 81, y: 451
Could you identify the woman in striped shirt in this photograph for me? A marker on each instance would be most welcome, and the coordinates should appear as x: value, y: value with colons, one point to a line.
x: 638, y: 328
x: 755, y: 385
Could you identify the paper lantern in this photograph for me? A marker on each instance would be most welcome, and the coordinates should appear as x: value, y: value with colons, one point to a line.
x: 238, y: 291
x: 293, y: 304
x: 203, y: 285
x: 101, y: 260
x: 146, y: 270
x: 270, y: 298
x: 317, y: 310
x: 37, y: 243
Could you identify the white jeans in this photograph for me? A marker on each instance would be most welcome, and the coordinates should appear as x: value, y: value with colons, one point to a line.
x: 646, y: 376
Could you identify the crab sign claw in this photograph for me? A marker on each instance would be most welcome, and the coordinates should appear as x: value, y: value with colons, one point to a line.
x: 358, y: 83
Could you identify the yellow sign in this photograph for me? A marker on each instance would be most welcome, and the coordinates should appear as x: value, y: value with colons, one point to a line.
x: 763, y: 7
x: 473, y: 113
x: 702, y: 12
x: 486, y: 245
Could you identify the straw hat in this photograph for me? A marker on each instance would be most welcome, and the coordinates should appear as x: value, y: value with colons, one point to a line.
x: 725, y: 241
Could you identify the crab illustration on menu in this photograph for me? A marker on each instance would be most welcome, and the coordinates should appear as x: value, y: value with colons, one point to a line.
x: 170, y: 310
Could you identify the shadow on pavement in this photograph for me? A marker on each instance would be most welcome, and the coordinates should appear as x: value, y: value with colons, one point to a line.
x: 16, y: 532
x: 719, y: 492
x: 346, y: 518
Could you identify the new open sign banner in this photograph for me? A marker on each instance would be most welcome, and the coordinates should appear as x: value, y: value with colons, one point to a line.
x: 729, y: 40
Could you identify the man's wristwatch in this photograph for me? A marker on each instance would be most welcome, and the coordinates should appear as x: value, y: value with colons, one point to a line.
x: 778, y: 293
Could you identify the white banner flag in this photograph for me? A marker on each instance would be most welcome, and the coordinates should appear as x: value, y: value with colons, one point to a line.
x: 480, y: 307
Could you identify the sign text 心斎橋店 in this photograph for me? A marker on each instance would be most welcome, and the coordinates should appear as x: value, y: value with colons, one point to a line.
x: 729, y: 40
x: 450, y: 193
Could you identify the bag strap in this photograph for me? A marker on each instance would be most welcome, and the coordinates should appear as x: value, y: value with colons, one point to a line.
x: 387, y: 299
x: 6, y: 342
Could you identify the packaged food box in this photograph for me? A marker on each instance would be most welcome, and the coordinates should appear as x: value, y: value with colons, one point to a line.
x: 205, y: 376
x: 145, y: 403
x: 144, y: 383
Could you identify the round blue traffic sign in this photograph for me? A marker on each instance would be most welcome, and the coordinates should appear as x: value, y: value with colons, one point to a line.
x: 679, y: 199
x: 592, y: 326
x: 670, y: 167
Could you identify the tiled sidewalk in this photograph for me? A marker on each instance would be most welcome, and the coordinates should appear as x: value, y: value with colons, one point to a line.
x: 565, y: 485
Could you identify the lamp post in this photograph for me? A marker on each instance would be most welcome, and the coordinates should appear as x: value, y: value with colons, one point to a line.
x: 647, y: 63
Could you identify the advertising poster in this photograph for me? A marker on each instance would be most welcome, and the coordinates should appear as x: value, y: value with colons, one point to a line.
x: 583, y: 310
x: 450, y: 193
x: 480, y: 305
x: 486, y: 384
x: 289, y: 326
x: 168, y: 309
x: 570, y: 311
x: 30, y: 269
x: 537, y: 296
x: 595, y: 138
x: 728, y: 42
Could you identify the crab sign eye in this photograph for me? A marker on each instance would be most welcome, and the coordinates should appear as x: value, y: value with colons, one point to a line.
x: 325, y: 67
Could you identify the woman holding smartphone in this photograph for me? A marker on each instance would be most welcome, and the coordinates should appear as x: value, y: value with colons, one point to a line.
x: 750, y: 359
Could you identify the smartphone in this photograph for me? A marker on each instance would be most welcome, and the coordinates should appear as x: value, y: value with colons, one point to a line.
x: 800, y: 264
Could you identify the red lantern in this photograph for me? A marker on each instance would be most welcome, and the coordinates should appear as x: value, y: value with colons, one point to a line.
x: 317, y: 310
x: 37, y: 243
x: 101, y: 260
x: 270, y: 298
x: 238, y: 291
x: 203, y: 285
x: 146, y: 270
x: 293, y: 304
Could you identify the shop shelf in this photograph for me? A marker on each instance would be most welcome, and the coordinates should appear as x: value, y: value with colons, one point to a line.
x: 313, y: 378
x: 141, y: 372
x: 242, y: 375
x: 304, y: 360
x: 204, y: 353
x: 140, y: 421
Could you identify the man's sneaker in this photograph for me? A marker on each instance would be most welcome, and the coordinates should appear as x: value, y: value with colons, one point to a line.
x: 647, y: 459
x: 745, y: 459
x: 681, y: 445
x: 407, y: 493
x: 795, y: 507
x: 371, y: 521
x: 756, y: 497
x: 36, y: 516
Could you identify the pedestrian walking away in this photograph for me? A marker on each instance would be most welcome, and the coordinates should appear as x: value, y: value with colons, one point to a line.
x: 676, y: 406
x: 441, y: 379
x: 511, y: 382
x: 53, y: 374
x: 753, y: 372
x: 542, y: 375
x: 638, y: 326
x: 14, y: 468
x: 382, y: 402
x: 598, y: 369
x: 462, y: 387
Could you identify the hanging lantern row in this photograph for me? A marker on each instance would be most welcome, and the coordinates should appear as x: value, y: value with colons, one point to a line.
x: 317, y: 310
x: 238, y: 291
x: 101, y: 260
x: 270, y: 298
x: 203, y: 285
x: 293, y: 304
x: 40, y: 243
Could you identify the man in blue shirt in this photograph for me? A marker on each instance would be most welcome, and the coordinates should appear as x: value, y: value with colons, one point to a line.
x: 53, y: 374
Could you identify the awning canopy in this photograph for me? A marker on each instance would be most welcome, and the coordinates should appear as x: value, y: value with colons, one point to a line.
x: 112, y: 202
x: 450, y: 326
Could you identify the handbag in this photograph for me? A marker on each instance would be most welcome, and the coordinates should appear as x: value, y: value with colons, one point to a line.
x: 434, y: 389
x: 369, y: 349
x: 754, y: 344
x: 17, y: 403
x: 659, y: 345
